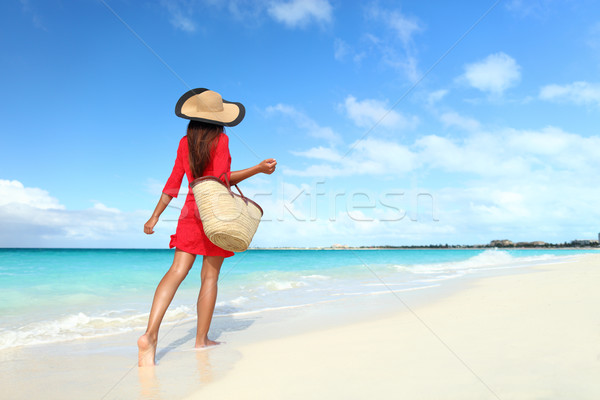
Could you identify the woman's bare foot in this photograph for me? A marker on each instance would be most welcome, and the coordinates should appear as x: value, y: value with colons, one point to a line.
x: 146, y: 351
x: 205, y: 343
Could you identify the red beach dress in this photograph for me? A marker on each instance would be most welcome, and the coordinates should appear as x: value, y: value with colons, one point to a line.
x: 190, y: 236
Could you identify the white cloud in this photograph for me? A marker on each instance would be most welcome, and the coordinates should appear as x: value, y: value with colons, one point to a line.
x: 536, y: 206
x: 303, y: 121
x: 444, y: 154
x: 531, y: 8
x: 508, y: 155
x: 341, y: 49
x: 289, y: 208
x: 392, y: 41
x: 382, y: 157
x: 554, y: 148
x: 453, y: 119
x: 31, y: 217
x: 481, y: 154
x: 179, y: 14
x: 247, y: 12
x: 404, y: 28
x: 298, y: 13
x: 513, y: 155
x: 321, y: 214
x: 103, y: 208
x: 550, y: 142
x: 13, y: 192
x: 496, y: 73
x: 320, y: 153
x: 576, y: 92
x: 520, y: 184
x: 183, y: 14
x: 435, y: 97
x: 368, y: 112
x: 541, y: 201
x: 369, y: 157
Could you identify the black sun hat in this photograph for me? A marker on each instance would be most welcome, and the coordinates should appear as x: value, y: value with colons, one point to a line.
x: 207, y: 106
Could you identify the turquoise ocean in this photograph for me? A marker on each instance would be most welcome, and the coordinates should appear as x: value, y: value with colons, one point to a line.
x: 57, y: 295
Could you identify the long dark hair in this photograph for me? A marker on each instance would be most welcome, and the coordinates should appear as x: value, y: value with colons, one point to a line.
x: 201, y: 139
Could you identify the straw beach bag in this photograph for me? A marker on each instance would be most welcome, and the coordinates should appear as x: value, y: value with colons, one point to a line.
x: 229, y: 219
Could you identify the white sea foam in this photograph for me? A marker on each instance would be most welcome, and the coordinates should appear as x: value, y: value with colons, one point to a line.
x: 283, y: 285
x: 488, y: 259
x: 227, y: 306
x: 81, y: 326
x: 239, y: 300
x: 316, y: 277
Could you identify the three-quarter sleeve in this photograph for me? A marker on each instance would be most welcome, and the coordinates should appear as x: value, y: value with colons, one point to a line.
x: 174, y: 182
x: 222, y: 158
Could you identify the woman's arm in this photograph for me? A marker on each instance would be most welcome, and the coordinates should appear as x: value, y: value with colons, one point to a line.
x: 163, y: 202
x: 266, y: 167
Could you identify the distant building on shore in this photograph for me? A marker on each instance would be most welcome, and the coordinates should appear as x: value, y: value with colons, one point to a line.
x: 508, y: 243
x: 339, y: 246
x: 501, y: 243
x: 584, y: 242
x: 539, y: 243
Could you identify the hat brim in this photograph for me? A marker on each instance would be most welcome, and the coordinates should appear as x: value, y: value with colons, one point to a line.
x: 233, y: 112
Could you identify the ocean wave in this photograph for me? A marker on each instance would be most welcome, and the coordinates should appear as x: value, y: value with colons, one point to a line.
x: 487, y: 259
x: 283, y: 285
x: 239, y: 300
x: 83, y: 326
x: 233, y: 302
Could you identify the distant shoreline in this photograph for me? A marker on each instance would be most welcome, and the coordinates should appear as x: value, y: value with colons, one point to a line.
x: 428, y: 247
x: 431, y: 248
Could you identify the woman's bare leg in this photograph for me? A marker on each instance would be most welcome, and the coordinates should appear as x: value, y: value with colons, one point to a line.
x: 182, y: 263
x: 211, y: 266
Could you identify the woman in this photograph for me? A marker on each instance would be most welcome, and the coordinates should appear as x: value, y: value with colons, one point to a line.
x: 203, y: 151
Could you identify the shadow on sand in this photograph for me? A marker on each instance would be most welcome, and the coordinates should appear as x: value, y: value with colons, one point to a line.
x: 219, y: 325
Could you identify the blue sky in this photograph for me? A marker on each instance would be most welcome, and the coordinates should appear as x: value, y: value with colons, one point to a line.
x: 395, y: 123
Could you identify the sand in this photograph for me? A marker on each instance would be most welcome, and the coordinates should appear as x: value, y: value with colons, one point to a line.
x: 524, y: 336
x: 529, y: 333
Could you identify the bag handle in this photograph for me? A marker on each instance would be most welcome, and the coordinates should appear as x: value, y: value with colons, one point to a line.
x: 236, y: 186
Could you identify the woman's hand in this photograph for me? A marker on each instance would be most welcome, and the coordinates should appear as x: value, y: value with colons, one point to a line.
x: 267, y: 166
x: 149, y: 226
x: 163, y: 202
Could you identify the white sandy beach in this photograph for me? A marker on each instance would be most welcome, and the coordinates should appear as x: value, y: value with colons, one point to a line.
x: 523, y: 336
x: 531, y: 334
